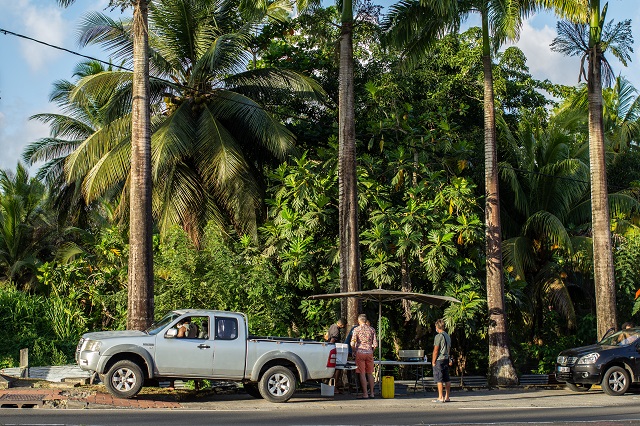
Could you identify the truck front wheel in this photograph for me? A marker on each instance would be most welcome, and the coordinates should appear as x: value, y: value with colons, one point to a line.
x: 278, y: 384
x: 124, y: 379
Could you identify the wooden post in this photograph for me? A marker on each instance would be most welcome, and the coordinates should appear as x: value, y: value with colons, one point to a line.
x: 24, y: 363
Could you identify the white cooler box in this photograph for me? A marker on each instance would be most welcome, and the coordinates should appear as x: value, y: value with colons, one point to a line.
x: 342, y: 350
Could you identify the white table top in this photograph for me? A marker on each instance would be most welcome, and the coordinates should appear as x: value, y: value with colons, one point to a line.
x: 384, y: 362
x: 351, y: 365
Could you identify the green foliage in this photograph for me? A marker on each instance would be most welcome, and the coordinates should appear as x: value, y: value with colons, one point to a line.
x: 27, y: 325
x: 627, y: 258
x: 24, y: 227
x: 222, y: 275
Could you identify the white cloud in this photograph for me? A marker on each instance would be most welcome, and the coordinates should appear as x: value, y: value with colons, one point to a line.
x: 44, y: 24
x: 40, y: 21
x: 17, y: 131
x: 543, y: 63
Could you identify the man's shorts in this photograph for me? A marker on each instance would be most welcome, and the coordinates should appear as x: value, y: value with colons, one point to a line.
x: 364, y: 363
x: 441, y: 371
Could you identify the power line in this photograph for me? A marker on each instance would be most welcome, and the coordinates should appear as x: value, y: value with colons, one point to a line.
x: 171, y: 83
x: 7, y: 32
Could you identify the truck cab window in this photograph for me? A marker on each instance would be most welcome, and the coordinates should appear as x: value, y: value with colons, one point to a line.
x: 226, y: 328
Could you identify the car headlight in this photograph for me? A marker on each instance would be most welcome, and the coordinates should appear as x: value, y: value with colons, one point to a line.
x: 92, y: 346
x: 561, y: 359
x: 589, y: 359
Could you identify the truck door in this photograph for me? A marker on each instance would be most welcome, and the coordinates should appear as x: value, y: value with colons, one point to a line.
x: 189, y: 356
x: 229, y: 344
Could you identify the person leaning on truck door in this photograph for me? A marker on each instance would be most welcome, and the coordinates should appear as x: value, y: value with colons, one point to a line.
x: 334, y: 336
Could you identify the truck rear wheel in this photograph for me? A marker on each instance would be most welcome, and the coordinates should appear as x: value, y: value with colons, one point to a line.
x: 278, y: 384
x: 252, y: 389
x: 124, y: 379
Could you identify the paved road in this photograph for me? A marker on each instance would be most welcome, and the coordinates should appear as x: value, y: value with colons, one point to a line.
x: 512, y: 407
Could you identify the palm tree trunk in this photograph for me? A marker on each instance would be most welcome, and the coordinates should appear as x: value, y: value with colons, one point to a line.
x: 348, y: 196
x: 140, y: 300
x: 501, y: 371
x: 603, y: 272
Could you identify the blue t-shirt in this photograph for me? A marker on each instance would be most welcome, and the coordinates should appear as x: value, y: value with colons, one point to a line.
x: 443, y: 341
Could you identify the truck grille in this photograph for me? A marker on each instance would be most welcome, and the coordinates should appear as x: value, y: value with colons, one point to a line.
x: 78, y: 348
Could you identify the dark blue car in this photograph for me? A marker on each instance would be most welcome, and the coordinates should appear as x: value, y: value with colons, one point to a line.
x: 613, y: 363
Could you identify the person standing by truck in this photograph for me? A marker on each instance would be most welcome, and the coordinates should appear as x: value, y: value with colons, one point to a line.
x: 364, y: 341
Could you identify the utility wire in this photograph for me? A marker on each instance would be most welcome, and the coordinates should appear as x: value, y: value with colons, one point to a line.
x: 171, y: 83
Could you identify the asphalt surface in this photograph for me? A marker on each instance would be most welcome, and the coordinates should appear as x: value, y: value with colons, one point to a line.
x: 518, y: 406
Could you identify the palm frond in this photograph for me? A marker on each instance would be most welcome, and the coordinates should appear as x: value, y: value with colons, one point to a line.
x: 174, y: 138
x: 48, y: 148
x: 260, y: 84
x: 64, y: 126
x: 110, y: 169
x: 250, y: 122
x: 558, y: 296
x: 543, y: 224
x: 518, y: 256
x: 115, y: 36
x: 95, y: 147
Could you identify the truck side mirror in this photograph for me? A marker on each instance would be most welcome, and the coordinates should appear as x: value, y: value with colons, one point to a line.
x: 171, y: 333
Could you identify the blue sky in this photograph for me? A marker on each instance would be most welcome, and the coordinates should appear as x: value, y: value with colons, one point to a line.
x: 28, y: 70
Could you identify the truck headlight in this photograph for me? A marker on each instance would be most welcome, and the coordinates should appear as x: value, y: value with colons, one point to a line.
x: 589, y: 359
x: 92, y: 346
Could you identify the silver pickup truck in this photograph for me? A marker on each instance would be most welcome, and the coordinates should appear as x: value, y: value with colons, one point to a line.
x: 217, y: 346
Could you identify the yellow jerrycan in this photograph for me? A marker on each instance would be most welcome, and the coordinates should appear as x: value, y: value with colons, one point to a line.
x: 388, y: 387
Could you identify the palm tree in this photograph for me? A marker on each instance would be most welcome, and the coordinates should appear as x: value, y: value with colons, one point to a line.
x: 348, y: 209
x: 23, y: 224
x: 140, y: 299
x: 591, y: 41
x: 546, y: 179
x: 211, y: 135
x: 347, y: 177
x: 415, y: 25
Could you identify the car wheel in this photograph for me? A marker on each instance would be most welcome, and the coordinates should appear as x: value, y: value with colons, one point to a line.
x: 579, y: 387
x: 277, y: 384
x: 124, y: 379
x: 252, y: 389
x: 616, y: 381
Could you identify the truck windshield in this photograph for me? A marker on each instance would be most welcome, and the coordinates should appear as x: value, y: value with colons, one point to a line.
x: 156, y: 327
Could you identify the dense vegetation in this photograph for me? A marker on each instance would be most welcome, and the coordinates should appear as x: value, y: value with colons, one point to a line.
x: 247, y: 220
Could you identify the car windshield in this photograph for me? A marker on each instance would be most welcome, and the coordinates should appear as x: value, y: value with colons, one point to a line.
x: 156, y: 327
x: 621, y: 338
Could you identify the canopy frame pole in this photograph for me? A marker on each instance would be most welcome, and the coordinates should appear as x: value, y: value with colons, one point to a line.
x: 379, y: 328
